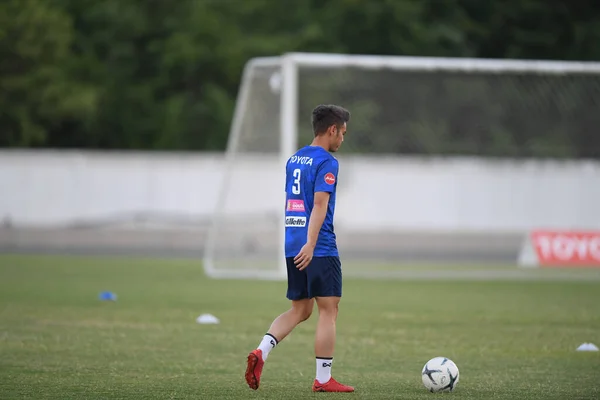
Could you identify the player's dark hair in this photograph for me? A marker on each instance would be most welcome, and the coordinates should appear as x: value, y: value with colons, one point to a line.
x: 323, y: 116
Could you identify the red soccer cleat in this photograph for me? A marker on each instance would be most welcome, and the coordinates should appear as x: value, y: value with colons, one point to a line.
x: 254, y: 368
x: 331, y: 386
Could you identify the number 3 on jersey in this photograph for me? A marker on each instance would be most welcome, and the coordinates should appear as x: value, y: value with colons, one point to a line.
x: 296, y: 184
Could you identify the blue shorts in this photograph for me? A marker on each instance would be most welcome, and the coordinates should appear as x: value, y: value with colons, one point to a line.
x: 322, y: 278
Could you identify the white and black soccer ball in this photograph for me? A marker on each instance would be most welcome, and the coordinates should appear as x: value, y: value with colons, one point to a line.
x: 440, y: 374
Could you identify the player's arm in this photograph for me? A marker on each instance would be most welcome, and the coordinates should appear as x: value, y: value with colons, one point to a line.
x: 317, y: 216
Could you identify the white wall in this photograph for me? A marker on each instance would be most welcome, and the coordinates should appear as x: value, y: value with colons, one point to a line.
x: 472, y: 194
x: 46, y: 188
x: 57, y: 187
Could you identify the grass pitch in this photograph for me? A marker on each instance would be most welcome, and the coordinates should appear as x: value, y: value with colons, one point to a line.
x: 510, y: 339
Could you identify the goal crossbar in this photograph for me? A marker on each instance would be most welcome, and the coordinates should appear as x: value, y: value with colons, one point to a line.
x: 441, y: 63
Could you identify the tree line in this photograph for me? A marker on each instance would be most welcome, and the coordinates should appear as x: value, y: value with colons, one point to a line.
x: 164, y: 75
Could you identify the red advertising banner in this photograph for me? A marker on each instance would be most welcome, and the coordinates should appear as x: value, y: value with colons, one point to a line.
x: 566, y: 248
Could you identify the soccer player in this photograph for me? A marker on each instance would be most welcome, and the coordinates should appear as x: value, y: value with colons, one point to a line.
x: 313, y: 266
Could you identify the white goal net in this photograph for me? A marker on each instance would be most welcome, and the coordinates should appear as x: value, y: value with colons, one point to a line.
x: 400, y: 106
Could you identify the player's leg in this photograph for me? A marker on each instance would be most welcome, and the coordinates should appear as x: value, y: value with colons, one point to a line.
x: 280, y: 328
x: 325, y: 283
x: 286, y: 322
x: 302, y: 307
x: 300, y: 311
x: 325, y: 336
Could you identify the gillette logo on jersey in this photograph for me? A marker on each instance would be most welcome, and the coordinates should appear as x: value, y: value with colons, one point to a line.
x: 311, y: 171
x: 295, y: 222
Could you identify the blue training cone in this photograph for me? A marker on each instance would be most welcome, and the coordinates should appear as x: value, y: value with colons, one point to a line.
x: 107, y: 296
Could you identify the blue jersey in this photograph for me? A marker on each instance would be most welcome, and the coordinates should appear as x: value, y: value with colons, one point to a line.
x: 312, y: 169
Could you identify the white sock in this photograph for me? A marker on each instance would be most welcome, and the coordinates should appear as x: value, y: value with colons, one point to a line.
x: 324, y: 369
x: 267, y: 344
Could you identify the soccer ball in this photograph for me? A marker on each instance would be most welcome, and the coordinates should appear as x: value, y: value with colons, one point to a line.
x: 440, y: 374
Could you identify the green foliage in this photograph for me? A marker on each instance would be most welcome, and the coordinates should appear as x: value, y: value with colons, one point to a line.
x: 158, y: 74
x: 36, y: 92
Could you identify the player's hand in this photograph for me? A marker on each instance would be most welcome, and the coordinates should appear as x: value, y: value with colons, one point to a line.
x: 303, y: 259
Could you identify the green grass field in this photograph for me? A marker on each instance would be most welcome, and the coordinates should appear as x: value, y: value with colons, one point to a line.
x: 510, y: 339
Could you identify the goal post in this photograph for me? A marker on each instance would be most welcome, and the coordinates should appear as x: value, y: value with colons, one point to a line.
x: 243, y: 239
x: 422, y: 106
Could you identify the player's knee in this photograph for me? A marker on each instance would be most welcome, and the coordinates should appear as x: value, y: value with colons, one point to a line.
x: 302, y: 312
x: 328, y: 307
x: 305, y: 314
x: 329, y: 311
